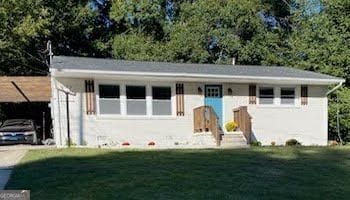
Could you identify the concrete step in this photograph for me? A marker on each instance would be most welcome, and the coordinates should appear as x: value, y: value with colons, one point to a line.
x: 233, y: 141
x: 233, y: 136
x: 234, y: 146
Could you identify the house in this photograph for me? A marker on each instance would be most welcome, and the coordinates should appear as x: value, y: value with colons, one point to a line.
x: 118, y: 102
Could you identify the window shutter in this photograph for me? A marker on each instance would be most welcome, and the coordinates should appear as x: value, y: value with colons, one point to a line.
x: 180, y: 107
x: 90, y: 97
x: 252, y: 94
x: 304, y: 95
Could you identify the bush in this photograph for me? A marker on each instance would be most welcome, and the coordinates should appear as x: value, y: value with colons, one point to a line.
x: 292, y: 142
x: 273, y: 143
x: 231, y: 126
x: 255, y: 144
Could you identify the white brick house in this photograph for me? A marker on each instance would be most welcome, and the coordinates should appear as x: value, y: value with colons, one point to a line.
x: 138, y: 103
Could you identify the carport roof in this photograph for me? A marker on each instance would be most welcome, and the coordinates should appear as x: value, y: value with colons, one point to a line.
x: 25, y: 89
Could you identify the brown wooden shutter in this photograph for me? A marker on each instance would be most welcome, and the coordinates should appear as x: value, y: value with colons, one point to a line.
x: 90, y: 97
x: 304, y: 95
x: 180, y: 103
x: 252, y: 94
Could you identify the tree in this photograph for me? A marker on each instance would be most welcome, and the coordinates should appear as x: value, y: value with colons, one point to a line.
x: 74, y: 27
x: 20, y: 29
x: 320, y: 41
x: 198, y: 31
x: 340, y: 102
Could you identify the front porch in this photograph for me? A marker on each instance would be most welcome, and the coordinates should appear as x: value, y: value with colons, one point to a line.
x: 205, y: 120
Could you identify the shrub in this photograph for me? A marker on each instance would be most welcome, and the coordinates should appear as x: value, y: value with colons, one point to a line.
x: 292, y: 142
x: 255, y: 144
x: 273, y: 143
x: 231, y: 126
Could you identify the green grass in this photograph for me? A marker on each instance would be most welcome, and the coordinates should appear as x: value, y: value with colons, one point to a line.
x: 256, y: 173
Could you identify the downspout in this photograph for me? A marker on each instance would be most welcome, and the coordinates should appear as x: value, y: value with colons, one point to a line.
x: 337, y: 100
x: 335, y: 88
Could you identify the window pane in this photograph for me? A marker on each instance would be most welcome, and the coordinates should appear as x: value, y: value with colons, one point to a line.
x: 266, y: 95
x: 136, y: 107
x: 287, y: 101
x: 161, y: 100
x: 287, y: 95
x: 109, y: 106
x: 285, y: 92
x: 161, y: 93
x: 136, y: 100
x: 109, y: 91
x: 162, y: 107
x: 266, y: 101
x: 135, y: 92
x: 266, y: 91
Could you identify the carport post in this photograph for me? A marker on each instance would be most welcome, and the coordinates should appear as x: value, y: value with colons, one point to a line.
x: 68, y: 127
x: 67, y: 93
x: 44, y: 124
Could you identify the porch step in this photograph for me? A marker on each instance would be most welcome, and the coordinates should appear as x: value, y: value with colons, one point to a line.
x: 233, y: 140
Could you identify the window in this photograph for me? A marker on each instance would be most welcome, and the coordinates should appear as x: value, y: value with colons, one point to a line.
x: 161, y: 100
x: 109, y: 99
x: 136, y: 100
x: 287, y: 96
x: 266, y: 95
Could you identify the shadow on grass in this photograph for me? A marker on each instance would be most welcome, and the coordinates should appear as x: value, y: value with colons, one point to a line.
x: 257, y: 173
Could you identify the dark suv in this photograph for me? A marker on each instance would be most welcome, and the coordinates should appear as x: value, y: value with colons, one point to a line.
x: 18, y: 131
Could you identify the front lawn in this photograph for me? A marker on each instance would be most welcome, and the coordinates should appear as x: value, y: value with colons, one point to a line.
x: 256, y: 173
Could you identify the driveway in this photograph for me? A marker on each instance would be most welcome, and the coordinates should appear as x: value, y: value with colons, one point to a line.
x: 8, y: 159
x: 10, y: 156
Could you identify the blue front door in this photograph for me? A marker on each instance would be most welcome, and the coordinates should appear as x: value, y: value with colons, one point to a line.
x: 213, y: 98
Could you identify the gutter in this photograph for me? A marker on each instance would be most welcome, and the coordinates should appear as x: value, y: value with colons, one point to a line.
x: 256, y: 79
x: 335, y: 88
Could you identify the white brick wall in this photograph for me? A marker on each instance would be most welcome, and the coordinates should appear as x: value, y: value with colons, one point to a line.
x: 308, y: 123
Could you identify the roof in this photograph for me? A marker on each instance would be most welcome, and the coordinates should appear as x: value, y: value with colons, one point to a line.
x: 199, y: 70
x: 25, y: 89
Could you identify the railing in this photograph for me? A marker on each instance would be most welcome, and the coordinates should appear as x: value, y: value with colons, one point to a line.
x: 243, y: 120
x: 205, y: 120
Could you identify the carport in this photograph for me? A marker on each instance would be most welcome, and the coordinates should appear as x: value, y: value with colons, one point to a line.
x: 27, y: 97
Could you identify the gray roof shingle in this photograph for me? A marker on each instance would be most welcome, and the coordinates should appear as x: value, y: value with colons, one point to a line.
x: 102, y: 64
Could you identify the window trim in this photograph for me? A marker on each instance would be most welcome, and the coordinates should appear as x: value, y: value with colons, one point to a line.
x: 123, y: 99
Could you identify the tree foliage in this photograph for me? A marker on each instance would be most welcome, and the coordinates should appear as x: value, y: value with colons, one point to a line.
x: 20, y: 27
